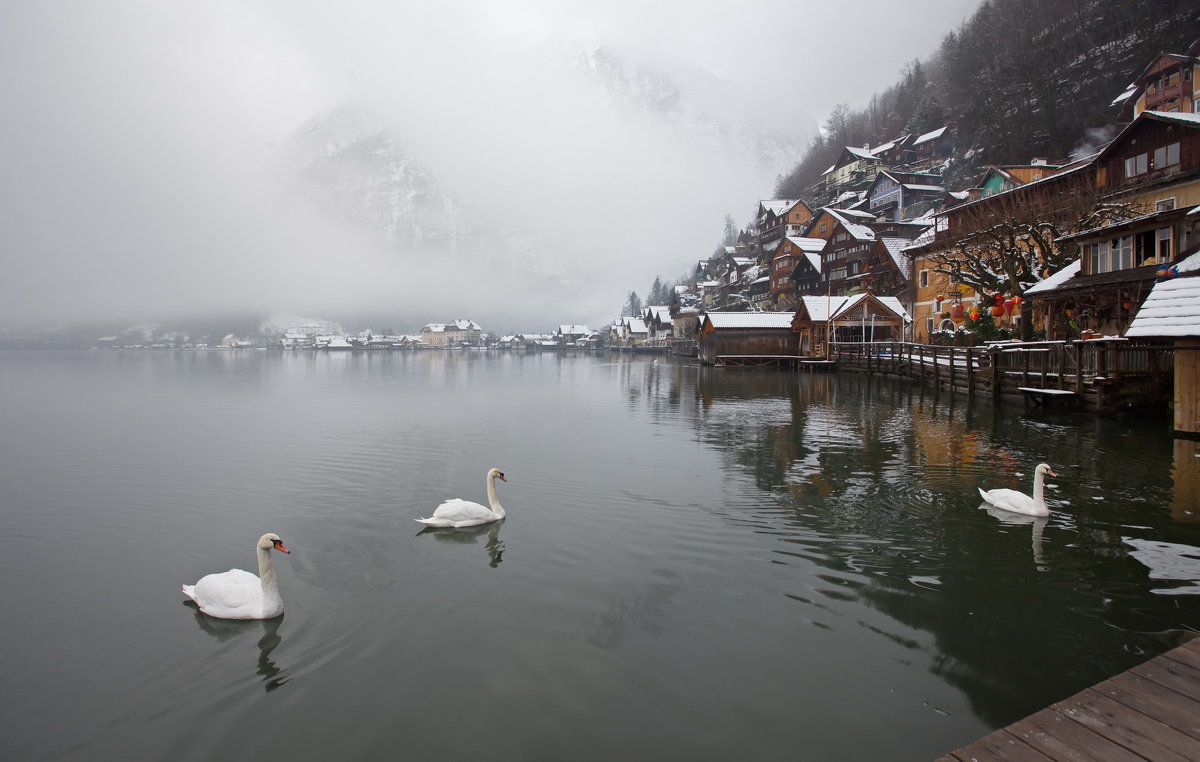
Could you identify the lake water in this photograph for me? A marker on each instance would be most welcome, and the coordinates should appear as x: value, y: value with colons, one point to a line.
x: 697, y: 564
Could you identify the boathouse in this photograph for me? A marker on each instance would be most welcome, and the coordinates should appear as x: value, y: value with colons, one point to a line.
x: 1172, y: 312
x: 857, y: 318
x: 762, y: 336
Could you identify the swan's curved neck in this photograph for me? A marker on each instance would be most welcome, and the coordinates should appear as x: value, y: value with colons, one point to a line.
x: 1039, y: 488
x: 266, y: 573
x: 493, y: 501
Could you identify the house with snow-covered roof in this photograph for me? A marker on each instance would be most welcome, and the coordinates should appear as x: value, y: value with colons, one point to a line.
x: 893, y: 193
x: 932, y: 148
x: 794, y: 254
x: 854, y: 168
x: 823, y: 320
x: 1171, y: 312
x: 744, y: 334
x: 1166, y: 84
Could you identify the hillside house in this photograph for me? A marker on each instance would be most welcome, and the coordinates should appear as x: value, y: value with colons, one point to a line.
x: 1166, y: 84
x: 998, y: 179
x: 1155, y: 163
x: 778, y: 218
x: 892, y: 193
x: 795, y: 260
x: 932, y: 148
x: 855, y: 168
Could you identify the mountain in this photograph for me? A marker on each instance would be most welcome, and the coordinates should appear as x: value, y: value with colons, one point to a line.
x: 364, y: 176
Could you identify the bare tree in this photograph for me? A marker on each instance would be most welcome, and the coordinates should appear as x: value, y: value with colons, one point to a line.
x: 1006, y: 243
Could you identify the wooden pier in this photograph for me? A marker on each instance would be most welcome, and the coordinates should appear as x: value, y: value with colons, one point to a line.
x: 1150, y: 712
x: 1104, y: 375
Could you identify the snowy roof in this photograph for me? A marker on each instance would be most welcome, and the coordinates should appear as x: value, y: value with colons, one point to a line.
x: 862, y: 153
x: 935, y: 188
x: 778, y: 206
x: 1129, y: 91
x: 763, y: 279
x: 930, y: 135
x: 749, y: 319
x: 579, y: 330
x: 859, y: 232
x: 1171, y: 309
x: 1176, y: 116
x: 434, y: 327
x: 895, y: 247
x: 636, y: 325
x: 814, y: 259
x: 466, y: 325
x: 1057, y: 279
x: 807, y: 244
x: 821, y: 307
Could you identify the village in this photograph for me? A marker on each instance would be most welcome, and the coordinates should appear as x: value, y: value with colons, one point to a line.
x: 1053, y: 280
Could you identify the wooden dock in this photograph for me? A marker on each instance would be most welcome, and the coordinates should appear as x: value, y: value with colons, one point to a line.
x: 1150, y: 712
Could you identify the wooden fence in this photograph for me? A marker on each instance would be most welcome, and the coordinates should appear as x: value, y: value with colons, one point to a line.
x: 1104, y: 374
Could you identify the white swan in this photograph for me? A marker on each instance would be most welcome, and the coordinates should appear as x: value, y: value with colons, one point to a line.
x: 238, y: 594
x: 463, y: 513
x: 1019, y: 502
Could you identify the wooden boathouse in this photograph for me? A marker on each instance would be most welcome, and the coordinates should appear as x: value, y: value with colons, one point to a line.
x: 747, y: 338
x: 820, y: 321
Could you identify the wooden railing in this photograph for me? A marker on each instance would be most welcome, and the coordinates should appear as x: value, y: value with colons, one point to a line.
x: 1091, y: 369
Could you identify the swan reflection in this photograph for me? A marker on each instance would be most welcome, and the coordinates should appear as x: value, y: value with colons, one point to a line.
x: 227, y: 629
x: 470, y: 536
x: 1015, y: 519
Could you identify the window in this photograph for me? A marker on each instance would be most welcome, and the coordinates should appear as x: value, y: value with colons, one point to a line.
x: 928, y: 325
x: 1164, y: 205
x: 1166, y: 156
x: 1164, y: 244
x: 1136, y: 165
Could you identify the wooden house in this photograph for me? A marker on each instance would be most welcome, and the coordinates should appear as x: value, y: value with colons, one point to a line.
x: 933, y: 147
x: 796, y: 269
x: 823, y: 320
x: 778, y: 218
x: 1172, y: 313
x: 1166, y: 84
x: 745, y: 334
x: 1000, y: 178
x: 659, y: 325
x: 893, y: 193
x: 854, y: 168
x: 1154, y: 163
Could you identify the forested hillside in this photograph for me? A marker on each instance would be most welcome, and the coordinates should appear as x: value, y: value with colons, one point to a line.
x: 1020, y: 78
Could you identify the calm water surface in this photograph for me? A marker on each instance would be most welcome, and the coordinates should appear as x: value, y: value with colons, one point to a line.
x: 698, y: 564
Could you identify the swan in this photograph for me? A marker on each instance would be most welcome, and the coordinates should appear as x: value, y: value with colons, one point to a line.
x: 1019, y: 502
x: 463, y: 513
x: 238, y: 594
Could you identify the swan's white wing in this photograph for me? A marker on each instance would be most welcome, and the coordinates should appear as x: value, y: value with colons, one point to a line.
x: 234, y: 594
x: 463, y: 510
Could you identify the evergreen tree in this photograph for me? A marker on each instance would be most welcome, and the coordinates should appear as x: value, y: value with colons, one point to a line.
x: 633, y: 305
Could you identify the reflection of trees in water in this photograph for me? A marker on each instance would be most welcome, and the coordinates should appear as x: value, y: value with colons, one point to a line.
x: 225, y: 630
x: 492, y: 545
x: 868, y: 478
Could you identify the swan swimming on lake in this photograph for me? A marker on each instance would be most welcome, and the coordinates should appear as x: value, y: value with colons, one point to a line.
x: 1019, y: 502
x: 463, y: 513
x: 238, y: 594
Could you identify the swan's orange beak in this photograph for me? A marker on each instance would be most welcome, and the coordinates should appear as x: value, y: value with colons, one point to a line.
x: 1050, y: 471
x: 279, y: 546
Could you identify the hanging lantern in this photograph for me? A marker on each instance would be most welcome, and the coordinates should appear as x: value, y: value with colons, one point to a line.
x: 956, y: 314
x: 940, y: 297
x: 997, y: 298
x: 997, y: 310
x: 1127, y: 304
x: 1017, y: 300
x: 974, y: 313
x: 1008, y: 305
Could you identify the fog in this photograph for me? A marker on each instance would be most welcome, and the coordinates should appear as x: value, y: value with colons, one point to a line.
x: 148, y: 149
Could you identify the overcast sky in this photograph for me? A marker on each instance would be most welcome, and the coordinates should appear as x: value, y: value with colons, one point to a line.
x: 136, y: 136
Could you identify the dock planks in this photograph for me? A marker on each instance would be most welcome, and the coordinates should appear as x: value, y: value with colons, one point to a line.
x: 1149, y: 712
